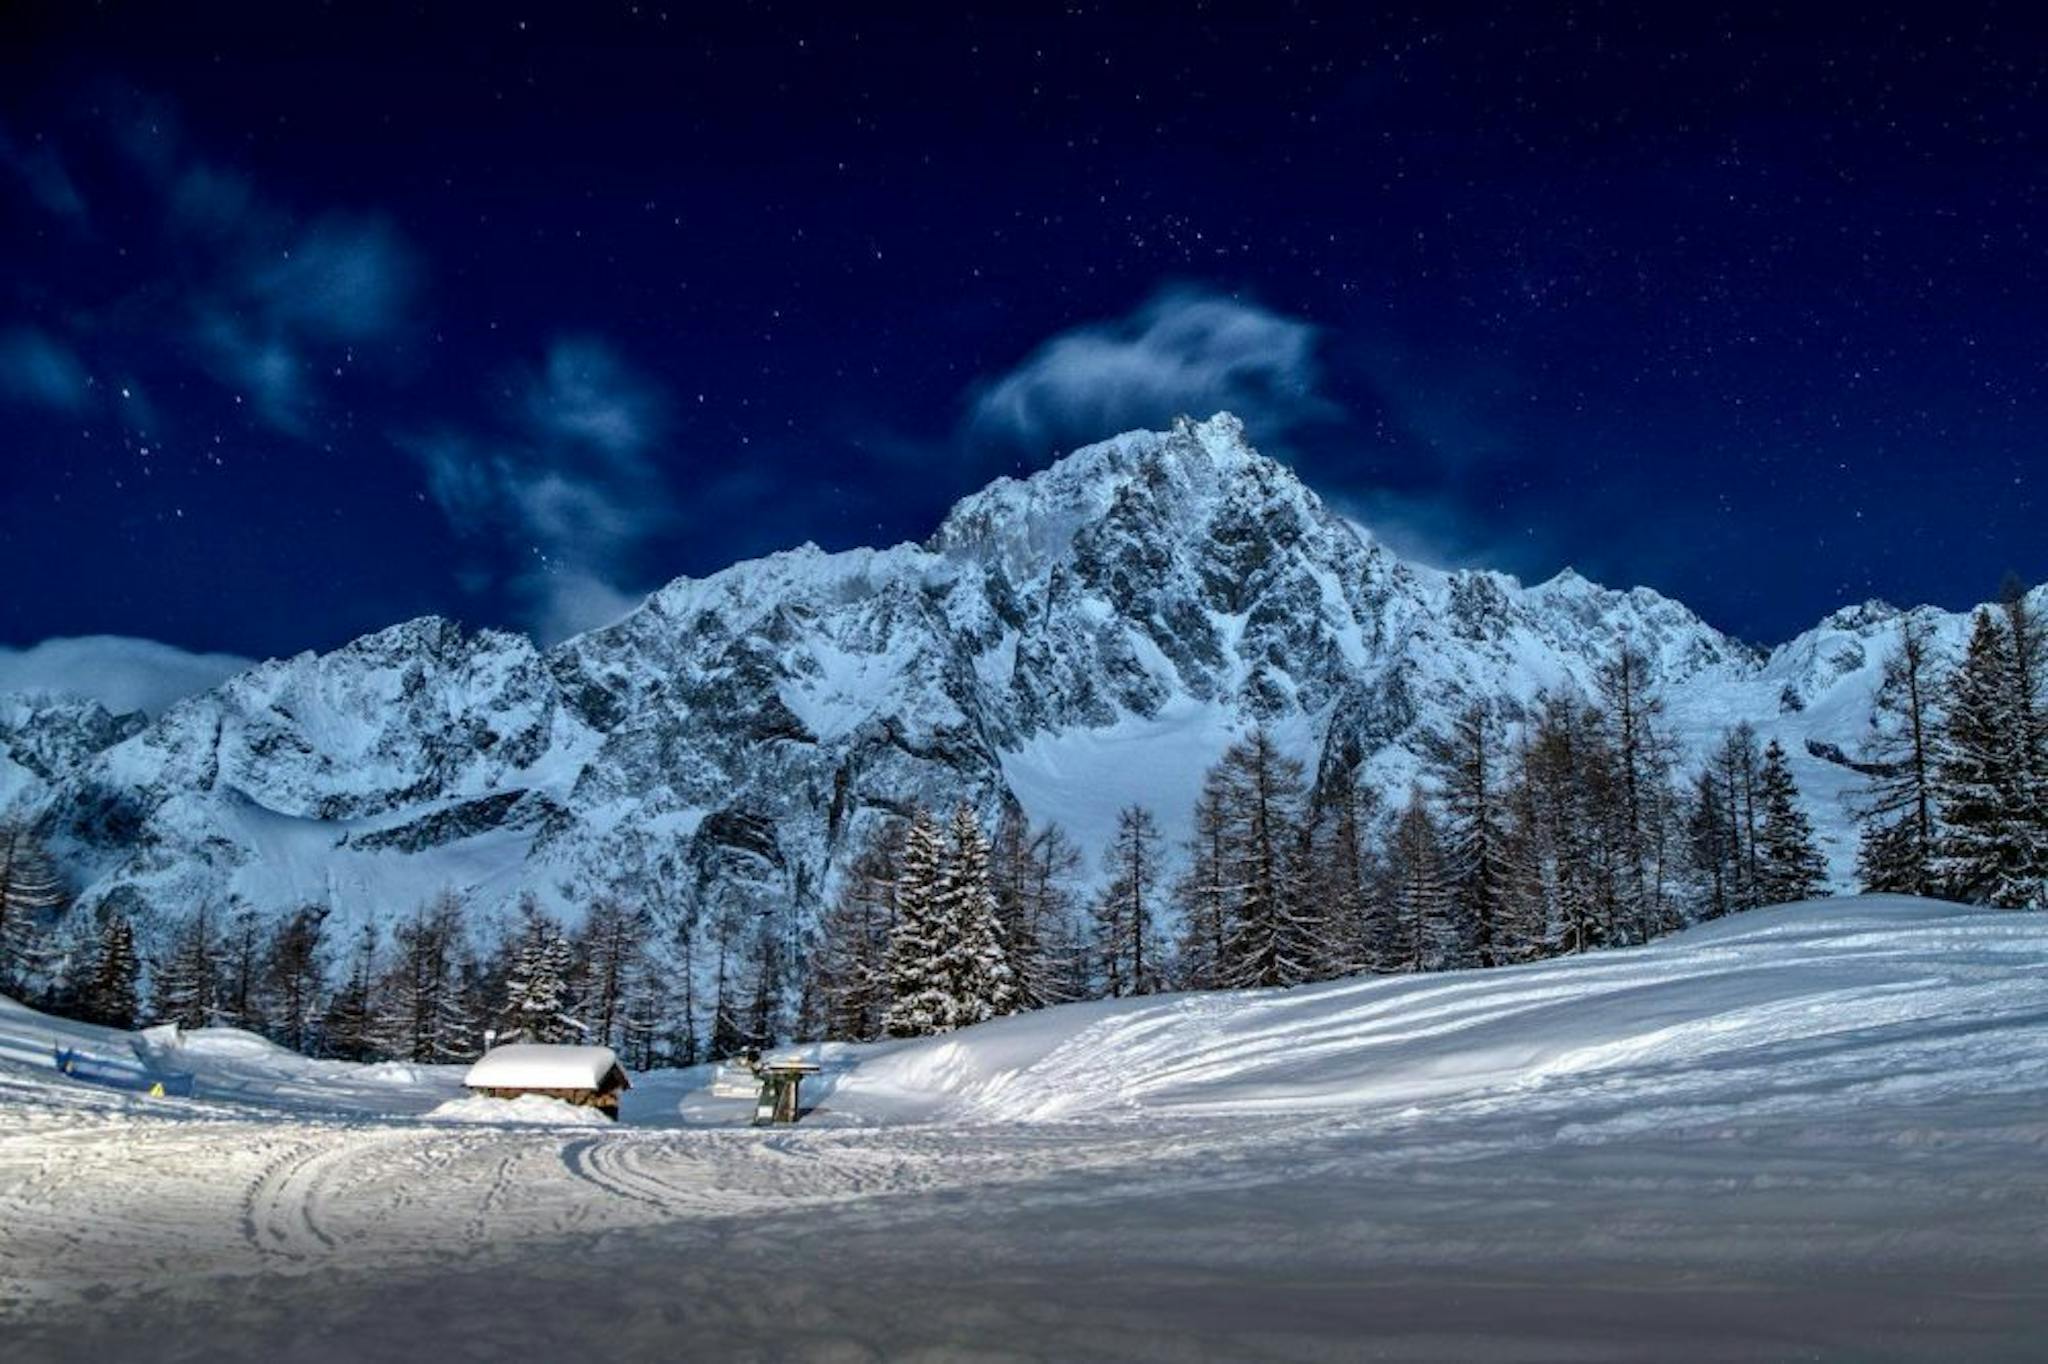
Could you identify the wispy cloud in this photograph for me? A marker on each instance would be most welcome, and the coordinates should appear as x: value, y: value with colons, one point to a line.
x: 121, y: 673
x: 1185, y: 351
x: 36, y: 368
x: 568, y: 491
x: 263, y: 299
x: 42, y: 172
x: 287, y: 293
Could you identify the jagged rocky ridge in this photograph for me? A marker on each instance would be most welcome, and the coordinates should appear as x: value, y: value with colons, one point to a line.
x: 1089, y: 636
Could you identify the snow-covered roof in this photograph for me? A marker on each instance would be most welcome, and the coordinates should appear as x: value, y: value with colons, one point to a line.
x: 532, y: 1065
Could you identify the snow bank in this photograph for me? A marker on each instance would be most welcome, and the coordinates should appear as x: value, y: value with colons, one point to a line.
x: 527, y: 1109
x: 1826, y: 985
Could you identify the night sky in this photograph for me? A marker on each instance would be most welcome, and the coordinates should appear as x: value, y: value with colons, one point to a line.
x: 314, y: 318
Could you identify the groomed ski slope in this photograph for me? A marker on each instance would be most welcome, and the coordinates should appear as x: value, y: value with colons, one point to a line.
x: 1816, y: 1131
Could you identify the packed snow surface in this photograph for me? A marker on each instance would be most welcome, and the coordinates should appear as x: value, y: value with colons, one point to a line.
x: 532, y: 1065
x: 1817, y: 1131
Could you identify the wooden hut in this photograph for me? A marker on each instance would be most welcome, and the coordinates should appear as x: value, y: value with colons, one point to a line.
x: 590, y: 1077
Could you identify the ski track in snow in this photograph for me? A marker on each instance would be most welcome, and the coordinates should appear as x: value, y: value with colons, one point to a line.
x: 1873, y: 1074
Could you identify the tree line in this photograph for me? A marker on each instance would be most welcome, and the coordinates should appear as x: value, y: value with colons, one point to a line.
x: 1957, y: 800
x: 1527, y: 832
x: 432, y: 989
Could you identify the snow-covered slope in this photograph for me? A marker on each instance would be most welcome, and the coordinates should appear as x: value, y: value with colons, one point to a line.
x: 1763, y: 1012
x: 1809, y: 1131
x: 1084, y: 638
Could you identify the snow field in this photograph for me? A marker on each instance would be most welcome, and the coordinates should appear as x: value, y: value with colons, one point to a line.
x: 1811, y: 1131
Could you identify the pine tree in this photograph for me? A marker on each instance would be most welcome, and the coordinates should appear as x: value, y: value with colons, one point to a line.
x: 1993, y: 779
x: 608, y: 950
x: 1738, y: 765
x: 294, y: 971
x: 425, y: 1015
x: 536, y: 1002
x: 978, y: 975
x: 920, y: 1002
x: 187, y: 981
x: 1421, y: 933
x: 1271, y: 936
x: 1639, y: 811
x: 1469, y: 768
x: 1566, y: 843
x: 1126, y: 920
x: 1900, y: 843
x: 240, y: 1002
x: 1711, y: 846
x: 1347, y: 881
x: 1029, y: 870
x: 763, y: 1021
x: 31, y: 889
x: 1792, y: 867
x: 348, y: 1029
x: 1203, y: 893
x: 2028, y: 707
x: 852, y: 958
x: 109, y: 996
x: 1989, y: 845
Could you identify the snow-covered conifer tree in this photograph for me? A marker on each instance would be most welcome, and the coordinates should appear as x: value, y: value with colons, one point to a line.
x: 109, y: 996
x: 30, y: 888
x: 425, y: 1015
x: 1422, y: 934
x: 1346, y: 877
x: 1203, y: 893
x: 1271, y: 938
x: 1472, y: 774
x: 1791, y: 865
x: 1900, y: 840
x: 920, y: 999
x: 1993, y: 777
x: 971, y: 938
x: 536, y: 1005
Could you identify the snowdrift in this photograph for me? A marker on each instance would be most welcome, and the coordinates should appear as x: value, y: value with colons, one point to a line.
x: 1808, y: 996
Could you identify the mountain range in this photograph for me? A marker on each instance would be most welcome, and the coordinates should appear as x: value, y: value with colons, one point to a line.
x: 1090, y: 636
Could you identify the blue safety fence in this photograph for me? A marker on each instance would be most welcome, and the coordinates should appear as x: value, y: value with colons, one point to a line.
x: 117, y: 1074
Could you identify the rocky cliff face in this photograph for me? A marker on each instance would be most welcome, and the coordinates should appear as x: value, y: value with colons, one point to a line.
x: 1086, y: 637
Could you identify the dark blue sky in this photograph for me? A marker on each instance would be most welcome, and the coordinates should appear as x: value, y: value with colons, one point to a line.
x: 315, y: 318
